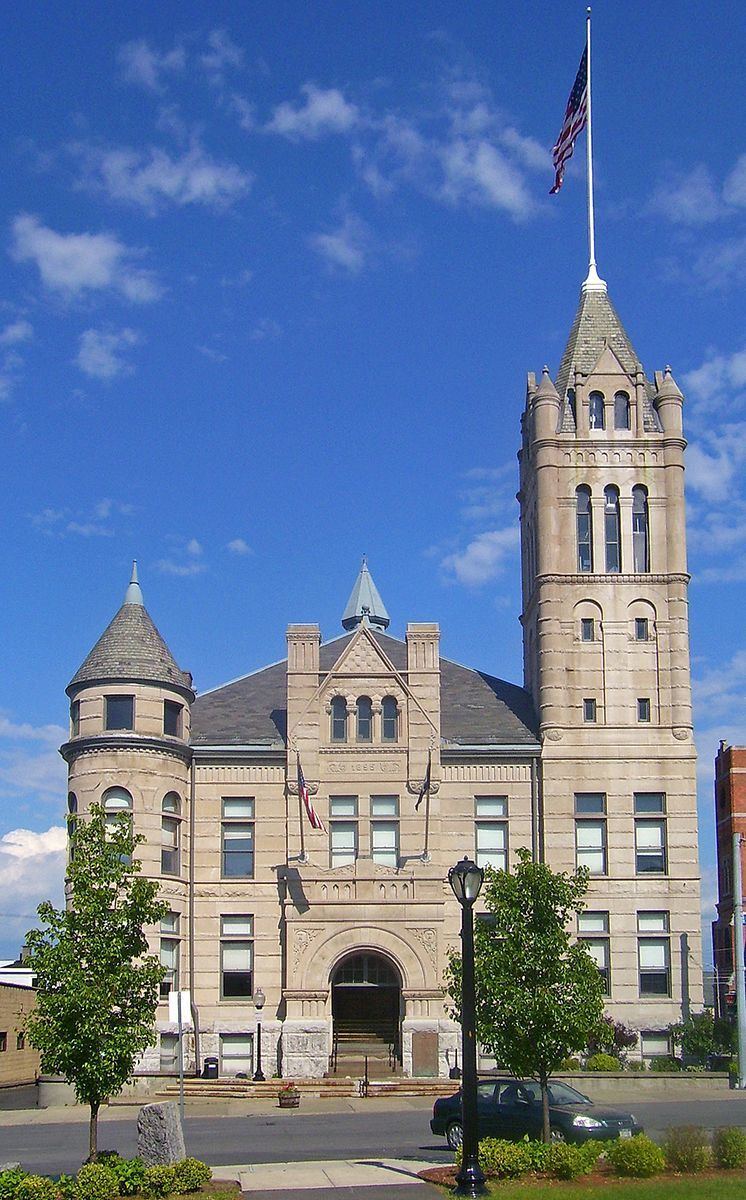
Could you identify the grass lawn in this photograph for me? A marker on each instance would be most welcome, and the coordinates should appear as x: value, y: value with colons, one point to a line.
x: 723, y: 1186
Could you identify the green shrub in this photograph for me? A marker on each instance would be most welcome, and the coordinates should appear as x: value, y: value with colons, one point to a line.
x: 729, y: 1148
x: 158, y: 1182
x: 636, y: 1064
x: 638, y: 1157
x: 665, y: 1062
x: 66, y: 1187
x: 570, y: 1064
x: 191, y: 1175
x: 687, y: 1149
x: 603, y: 1062
x: 9, y: 1181
x: 502, y: 1160
x: 96, y: 1181
x: 130, y: 1173
x: 565, y: 1161
x: 36, y: 1187
x: 537, y: 1154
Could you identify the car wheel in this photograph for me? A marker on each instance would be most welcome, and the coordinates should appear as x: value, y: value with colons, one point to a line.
x: 455, y: 1135
x: 557, y: 1135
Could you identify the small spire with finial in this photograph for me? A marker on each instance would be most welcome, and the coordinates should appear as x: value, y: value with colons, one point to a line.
x: 133, y: 595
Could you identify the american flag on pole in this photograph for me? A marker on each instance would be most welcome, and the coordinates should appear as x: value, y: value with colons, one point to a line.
x: 303, y: 792
x: 425, y: 783
x: 574, y: 123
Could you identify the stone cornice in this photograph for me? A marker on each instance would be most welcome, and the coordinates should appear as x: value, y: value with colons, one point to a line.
x: 116, y: 742
x: 611, y: 577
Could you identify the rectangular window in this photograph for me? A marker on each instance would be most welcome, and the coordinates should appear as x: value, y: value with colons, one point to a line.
x: 238, y: 838
x: 642, y: 629
x: 119, y: 712
x: 590, y: 846
x: 172, y: 714
x: 589, y: 709
x: 3, y: 1042
x: 593, y: 930
x: 384, y: 830
x: 650, y: 847
x: 236, y: 1053
x: 649, y: 802
x: 655, y: 974
x: 75, y: 718
x: 170, y: 846
x: 643, y: 709
x: 169, y: 1052
x: 654, y: 1043
x: 343, y: 834
x: 587, y: 629
x: 590, y: 804
x: 491, y: 833
x: 20, y: 1041
x: 236, y: 957
x: 170, y: 945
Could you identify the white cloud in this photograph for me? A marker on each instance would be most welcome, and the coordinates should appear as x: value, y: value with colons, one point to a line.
x: 145, y: 67
x: 265, y: 330
x: 479, y: 173
x: 324, y: 110
x: 32, y: 869
x: 169, y: 566
x: 734, y: 188
x: 100, y: 354
x: 709, y: 385
x: 17, y: 331
x: 692, y: 199
x: 148, y: 179
x: 216, y: 356
x: 346, y: 246
x: 484, y: 558
x: 193, y: 547
x: 531, y: 153
x: 222, y: 53
x: 239, y: 546
x: 30, y: 765
x: 73, y: 263
x: 25, y: 732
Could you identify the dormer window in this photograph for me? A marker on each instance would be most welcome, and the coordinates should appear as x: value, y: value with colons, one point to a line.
x: 611, y: 529
x: 364, y: 719
x: 596, y: 416
x: 389, y: 719
x: 621, y: 410
x: 119, y: 712
x: 339, y: 719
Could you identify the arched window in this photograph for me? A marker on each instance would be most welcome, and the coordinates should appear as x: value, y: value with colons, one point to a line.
x: 612, y: 529
x: 339, y: 719
x: 364, y: 719
x: 621, y: 410
x: 170, y: 839
x: 389, y: 719
x: 596, y: 417
x: 584, y: 523
x: 640, y: 532
x: 117, y: 804
x: 72, y: 816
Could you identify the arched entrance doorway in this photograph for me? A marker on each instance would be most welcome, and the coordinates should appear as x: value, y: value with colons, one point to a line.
x: 366, y: 1014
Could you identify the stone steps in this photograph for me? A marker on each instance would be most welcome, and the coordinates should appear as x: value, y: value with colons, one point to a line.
x: 337, y: 1085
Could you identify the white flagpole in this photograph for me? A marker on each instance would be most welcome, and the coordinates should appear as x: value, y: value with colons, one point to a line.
x: 592, y: 282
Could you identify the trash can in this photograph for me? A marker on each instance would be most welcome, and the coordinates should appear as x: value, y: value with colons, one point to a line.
x: 210, y: 1069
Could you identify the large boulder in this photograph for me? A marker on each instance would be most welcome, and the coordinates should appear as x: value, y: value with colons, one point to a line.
x: 160, y: 1138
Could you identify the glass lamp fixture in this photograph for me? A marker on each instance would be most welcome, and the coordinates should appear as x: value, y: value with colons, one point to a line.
x: 466, y: 880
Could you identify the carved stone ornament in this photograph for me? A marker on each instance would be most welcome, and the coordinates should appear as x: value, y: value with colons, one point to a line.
x: 292, y: 786
x: 415, y: 788
x: 429, y: 940
x: 681, y: 735
x: 554, y: 735
x: 302, y: 941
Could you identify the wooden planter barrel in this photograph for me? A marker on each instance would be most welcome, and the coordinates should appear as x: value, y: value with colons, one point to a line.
x: 289, y: 1099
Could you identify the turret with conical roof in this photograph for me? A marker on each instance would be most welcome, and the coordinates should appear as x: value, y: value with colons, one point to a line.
x: 365, y: 603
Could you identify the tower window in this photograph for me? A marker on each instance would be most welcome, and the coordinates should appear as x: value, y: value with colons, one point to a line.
x: 621, y: 410
x: 339, y: 719
x: 75, y: 718
x: 596, y: 417
x: 611, y: 529
x: 642, y: 629
x: 640, y: 534
x: 119, y: 712
x: 172, y: 718
x: 589, y: 709
x: 169, y: 955
x: 390, y: 719
x: 643, y: 709
x: 364, y: 719
x: 117, y: 803
x: 587, y: 629
x: 170, y: 834
x: 584, y: 522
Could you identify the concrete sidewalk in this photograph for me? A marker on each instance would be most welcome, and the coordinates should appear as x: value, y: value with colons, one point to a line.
x: 306, y: 1177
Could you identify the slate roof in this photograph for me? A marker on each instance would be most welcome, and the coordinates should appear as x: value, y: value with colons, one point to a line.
x: 596, y: 325
x: 476, y: 709
x: 131, y: 648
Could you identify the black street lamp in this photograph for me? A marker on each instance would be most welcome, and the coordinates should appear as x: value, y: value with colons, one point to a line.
x: 259, y: 999
x: 466, y: 880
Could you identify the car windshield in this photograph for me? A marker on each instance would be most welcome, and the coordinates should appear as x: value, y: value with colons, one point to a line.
x: 559, y: 1093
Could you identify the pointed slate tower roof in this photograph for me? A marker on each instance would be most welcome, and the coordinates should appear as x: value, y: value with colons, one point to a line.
x: 365, y: 603
x: 131, y: 649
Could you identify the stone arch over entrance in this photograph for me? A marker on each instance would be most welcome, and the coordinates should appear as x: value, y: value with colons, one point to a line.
x: 410, y: 960
x: 366, y: 1003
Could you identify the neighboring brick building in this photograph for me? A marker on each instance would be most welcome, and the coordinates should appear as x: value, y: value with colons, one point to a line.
x: 590, y: 763
x: 730, y: 818
x: 19, y: 1063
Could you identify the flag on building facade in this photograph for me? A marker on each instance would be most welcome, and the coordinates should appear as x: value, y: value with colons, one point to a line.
x: 303, y: 792
x: 576, y: 115
x: 424, y: 790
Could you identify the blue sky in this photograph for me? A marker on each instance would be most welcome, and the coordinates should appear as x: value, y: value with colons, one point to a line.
x: 272, y: 278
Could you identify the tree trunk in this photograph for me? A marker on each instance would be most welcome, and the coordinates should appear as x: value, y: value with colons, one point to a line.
x: 93, y: 1134
x: 546, y: 1130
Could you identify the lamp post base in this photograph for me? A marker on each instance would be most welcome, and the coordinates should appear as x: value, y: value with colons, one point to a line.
x: 470, y: 1180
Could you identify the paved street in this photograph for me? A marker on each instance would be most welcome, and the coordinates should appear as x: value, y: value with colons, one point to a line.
x: 44, y: 1142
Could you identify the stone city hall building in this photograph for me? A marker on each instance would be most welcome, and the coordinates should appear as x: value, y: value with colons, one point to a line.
x: 591, y: 763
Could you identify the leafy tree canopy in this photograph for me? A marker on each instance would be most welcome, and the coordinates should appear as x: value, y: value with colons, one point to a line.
x: 702, y: 1034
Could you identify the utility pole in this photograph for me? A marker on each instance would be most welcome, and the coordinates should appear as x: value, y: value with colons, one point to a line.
x: 738, y: 959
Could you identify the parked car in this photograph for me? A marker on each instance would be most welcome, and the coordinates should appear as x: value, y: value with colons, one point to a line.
x: 511, y: 1109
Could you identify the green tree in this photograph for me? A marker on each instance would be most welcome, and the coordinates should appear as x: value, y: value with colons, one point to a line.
x: 702, y: 1035
x: 97, y: 985
x: 539, y: 993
